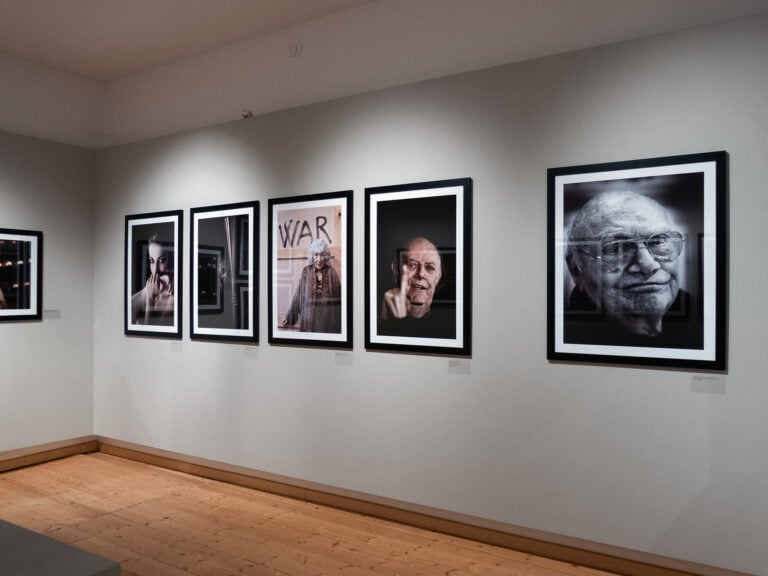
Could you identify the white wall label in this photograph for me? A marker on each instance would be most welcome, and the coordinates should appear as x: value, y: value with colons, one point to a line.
x: 708, y: 383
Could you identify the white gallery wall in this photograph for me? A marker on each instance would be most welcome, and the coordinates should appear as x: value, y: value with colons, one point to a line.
x: 641, y: 458
x: 46, y: 381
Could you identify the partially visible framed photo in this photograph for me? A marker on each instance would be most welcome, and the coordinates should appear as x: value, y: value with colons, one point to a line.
x: 310, y: 270
x: 21, y: 274
x: 637, y: 262
x: 418, y: 271
x: 153, y: 274
x: 224, y: 264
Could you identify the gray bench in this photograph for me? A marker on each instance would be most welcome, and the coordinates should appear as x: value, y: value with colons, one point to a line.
x: 27, y: 553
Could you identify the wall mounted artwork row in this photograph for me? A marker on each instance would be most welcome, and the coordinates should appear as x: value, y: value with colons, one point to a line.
x: 636, y: 268
x: 417, y: 277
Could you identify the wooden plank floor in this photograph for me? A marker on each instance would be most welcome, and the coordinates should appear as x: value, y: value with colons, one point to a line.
x: 158, y: 522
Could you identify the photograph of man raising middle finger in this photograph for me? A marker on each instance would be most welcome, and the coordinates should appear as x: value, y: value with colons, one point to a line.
x: 419, y: 266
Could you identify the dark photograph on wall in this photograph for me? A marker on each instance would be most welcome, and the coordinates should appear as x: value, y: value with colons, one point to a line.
x: 21, y: 274
x: 418, y: 277
x: 153, y: 274
x: 224, y: 264
x: 310, y: 270
x: 636, y: 254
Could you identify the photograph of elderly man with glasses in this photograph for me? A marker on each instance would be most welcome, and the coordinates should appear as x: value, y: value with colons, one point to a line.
x: 625, y: 256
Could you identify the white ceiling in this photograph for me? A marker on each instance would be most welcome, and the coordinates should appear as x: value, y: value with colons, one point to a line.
x: 110, y: 39
x: 99, y: 73
x: 107, y: 40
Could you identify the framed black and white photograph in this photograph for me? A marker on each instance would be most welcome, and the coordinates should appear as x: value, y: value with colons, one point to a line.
x: 224, y: 272
x: 153, y: 274
x: 310, y: 270
x: 21, y: 274
x: 637, y: 262
x: 418, y: 275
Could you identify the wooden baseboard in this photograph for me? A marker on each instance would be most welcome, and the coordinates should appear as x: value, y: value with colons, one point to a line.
x: 582, y: 552
x: 46, y: 452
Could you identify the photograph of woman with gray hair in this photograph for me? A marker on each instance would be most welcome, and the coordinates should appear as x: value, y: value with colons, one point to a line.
x: 316, y: 304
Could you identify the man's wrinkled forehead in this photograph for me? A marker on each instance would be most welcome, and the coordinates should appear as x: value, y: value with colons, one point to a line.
x: 422, y: 250
x: 611, y: 213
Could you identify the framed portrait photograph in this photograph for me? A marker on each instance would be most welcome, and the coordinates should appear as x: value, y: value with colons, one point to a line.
x: 418, y: 275
x: 224, y: 264
x: 153, y: 274
x: 21, y: 274
x: 637, y: 262
x: 310, y: 270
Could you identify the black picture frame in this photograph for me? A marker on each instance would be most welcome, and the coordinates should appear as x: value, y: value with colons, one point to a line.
x: 21, y: 275
x: 152, y: 306
x: 437, y: 216
x: 613, y: 299
x: 224, y: 264
x: 305, y: 309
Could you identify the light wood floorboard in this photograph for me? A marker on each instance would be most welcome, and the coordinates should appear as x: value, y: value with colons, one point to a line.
x: 159, y: 522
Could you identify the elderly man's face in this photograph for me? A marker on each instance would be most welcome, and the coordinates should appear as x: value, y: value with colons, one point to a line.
x: 628, y: 280
x: 424, y: 272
